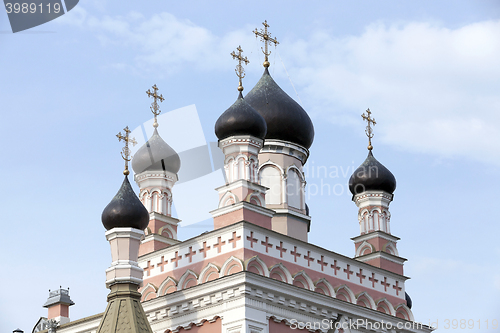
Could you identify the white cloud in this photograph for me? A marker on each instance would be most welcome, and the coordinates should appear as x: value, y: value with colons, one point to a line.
x: 431, y: 88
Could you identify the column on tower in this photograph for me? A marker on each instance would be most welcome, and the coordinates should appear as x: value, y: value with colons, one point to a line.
x: 156, y: 165
x: 372, y: 186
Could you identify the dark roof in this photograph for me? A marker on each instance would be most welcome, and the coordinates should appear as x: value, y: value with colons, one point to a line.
x: 156, y: 155
x: 286, y: 119
x: 372, y: 175
x: 240, y: 119
x: 408, y: 300
x: 125, y: 210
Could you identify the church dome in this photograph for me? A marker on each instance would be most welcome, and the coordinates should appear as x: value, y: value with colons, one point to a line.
x: 372, y: 175
x: 156, y: 155
x: 125, y: 210
x: 240, y: 119
x: 286, y: 119
x: 409, y: 303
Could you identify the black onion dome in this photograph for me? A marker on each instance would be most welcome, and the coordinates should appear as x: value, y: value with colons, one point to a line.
x: 286, y: 119
x: 408, y: 300
x: 125, y: 210
x: 240, y: 119
x: 372, y: 175
x: 156, y: 155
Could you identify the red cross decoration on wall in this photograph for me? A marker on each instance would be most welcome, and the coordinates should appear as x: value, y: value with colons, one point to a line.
x: 234, y: 239
x: 267, y: 244
x: 361, y: 276
x: 204, y: 249
x: 251, y: 239
x: 162, y: 263
x: 190, y: 254
x: 281, y: 249
x: 295, y: 254
x: 373, y: 280
x: 322, y: 263
x: 348, y: 271
x: 335, y: 267
x: 219, y: 244
x: 148, y: 268
x: 176, y: 258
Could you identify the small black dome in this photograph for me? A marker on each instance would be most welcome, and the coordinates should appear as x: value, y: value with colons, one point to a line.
x: 286, y: 119
x: 156, y: 155
x: 372, y: 175
x: 408, y: 300
x: 240, y: 119
x: 125, y: 210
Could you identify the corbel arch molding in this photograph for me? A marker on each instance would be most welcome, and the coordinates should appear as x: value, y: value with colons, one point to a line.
x: 258, y: 264
x: 229, y: 159
x: 207, y: 273
x: 282, y: 271
x: 230, y: 266
x: 187, y: 279
x: 257, y: 197
x: 169, y: 285
x: 390, y: 248
x: 148, y: 291
x: 345, y: 291
x: 226, y: 198
x: 365, y: 245
x: 386, y: 305
x: 371, y: 303
x: 325, y: 286
x: 404, y: 312
x: 169, y: 229
x: 303, y: 275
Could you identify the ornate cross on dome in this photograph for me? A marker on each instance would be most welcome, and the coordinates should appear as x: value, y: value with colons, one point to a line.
x: 265, y: 36
x: 369, y: 130
x: 155, y: 108
x: 240, y: 72
x: 126, y: 150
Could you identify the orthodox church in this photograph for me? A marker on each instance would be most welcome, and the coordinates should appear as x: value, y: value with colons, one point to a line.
x: 255, y: 272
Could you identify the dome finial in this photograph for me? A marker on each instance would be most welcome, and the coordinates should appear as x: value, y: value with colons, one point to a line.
x: 126, y: 150
x: 369, y: 130
x: 240, y: 72
x: 155, y: 108
x: 265, y: 36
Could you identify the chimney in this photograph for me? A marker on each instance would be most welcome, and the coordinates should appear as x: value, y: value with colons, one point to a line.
x: 58, y: 304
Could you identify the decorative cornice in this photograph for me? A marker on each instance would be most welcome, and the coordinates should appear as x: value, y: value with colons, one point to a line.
x: 242, y: 204
x: 374, y: 234
x: 242, y: 183
x: 287, y: 148
x: 384, y: 255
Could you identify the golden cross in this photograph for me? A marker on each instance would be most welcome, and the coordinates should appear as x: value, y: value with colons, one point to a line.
x: 265, y: 36
x: 369, y: 131
x: 240, y: 72
x: 126, y: 150
x: 155, y: 108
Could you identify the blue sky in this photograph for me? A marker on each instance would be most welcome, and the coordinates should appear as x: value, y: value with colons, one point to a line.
x: 428, y: 70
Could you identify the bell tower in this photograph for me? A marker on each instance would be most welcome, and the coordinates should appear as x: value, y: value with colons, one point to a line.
x: 372, y: 186
x: 156, y: 165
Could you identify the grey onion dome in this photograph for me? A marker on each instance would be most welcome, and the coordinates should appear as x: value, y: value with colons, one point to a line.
x: 240, y: 119
x: 286, y: 119
x: 125, y: 210
x: 372, y: 175
x: 156, y: 155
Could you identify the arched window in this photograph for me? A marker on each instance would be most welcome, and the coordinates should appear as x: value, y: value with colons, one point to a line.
x: 294, y: 189
x: 270, y: 177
